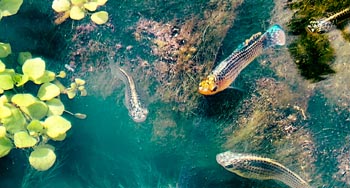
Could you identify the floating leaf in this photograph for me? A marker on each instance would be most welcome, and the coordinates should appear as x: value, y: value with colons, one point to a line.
x: 56, y: 126
x: 61, y: 5
x: 22, y: 80
x: 34, y: 68
x: 5, y: 146
x: 76, y: 13
x: 5, y: 48
x: 42, y: 158
x: 10, y: 7
x: 91, y: 6
x: 2, y: 66
x: 23, y: 99
x: 23, y: 140
x: 101, y: 2
x: 71, y: 93
x: 100, y: 17
x: 47, y: 77
x: 48, y: 91
x: 37, y: 110
x: 36, y: 126
x: 79, y: 81
x: 78, y: 2
x: 4, y: 112
x: 61, y: 137
x: 2, y: 131
x: 15, y: 122
x: 83, y: 92
x: 56, y: 107
x: 6, y: 81
x: 62, y: 74
x: 23, y: 56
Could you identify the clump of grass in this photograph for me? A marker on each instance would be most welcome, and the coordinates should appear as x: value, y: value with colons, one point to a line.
x: 312, y: 52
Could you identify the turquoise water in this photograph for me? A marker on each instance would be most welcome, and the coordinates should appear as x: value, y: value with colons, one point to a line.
x: 171, y: 148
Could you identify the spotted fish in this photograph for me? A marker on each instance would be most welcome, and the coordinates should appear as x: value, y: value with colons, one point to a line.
x: 251, y: 166
x: 228, y: 70
x: 324, y: 25
x: 132, y: 100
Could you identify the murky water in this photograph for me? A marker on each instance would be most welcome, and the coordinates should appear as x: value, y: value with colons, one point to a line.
x: 277, y: 114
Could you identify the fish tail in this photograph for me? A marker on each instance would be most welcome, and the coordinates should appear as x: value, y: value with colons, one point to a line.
x: 275, y: 36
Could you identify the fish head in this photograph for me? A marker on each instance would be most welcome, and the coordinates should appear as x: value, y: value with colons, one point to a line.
x: 230, y: 160
x: 139, y: 114
x: 208, y: 86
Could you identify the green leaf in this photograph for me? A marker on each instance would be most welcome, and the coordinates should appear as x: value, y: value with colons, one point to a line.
x: 48, y: 91
x: 76, y: 13
x: 34, y: 68
x: 42, y: 158
x: 56, y: 126
x: 5, y: 49
x: 23, y: 56
x: 6, y: 81
x: 2, y: 66
x: 100, y: 17
x: 23, y: 140
x: 60, y: 5
x: 5, y: 146
x: 35, y: 126
x: 4, y: 112
x: 23, y: 99
x: 2, y: 131
x: 91, y: 6
x: 77, y: 2
x: 47, y: 77
x: 10, y: 7
x: 15, y: 122
x: 37, y: 110
x: 21, y: 80
x: 56, y: 107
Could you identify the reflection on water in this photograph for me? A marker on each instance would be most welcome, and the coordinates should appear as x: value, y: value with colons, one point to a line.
x: 278, y: 114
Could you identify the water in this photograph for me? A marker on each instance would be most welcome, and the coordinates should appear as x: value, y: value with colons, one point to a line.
x: 173, y: 147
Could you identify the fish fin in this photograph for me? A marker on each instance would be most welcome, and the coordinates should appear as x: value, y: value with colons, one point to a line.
x: 274, y: 36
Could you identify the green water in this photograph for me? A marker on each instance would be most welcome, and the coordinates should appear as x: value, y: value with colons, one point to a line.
x: 108, y: 149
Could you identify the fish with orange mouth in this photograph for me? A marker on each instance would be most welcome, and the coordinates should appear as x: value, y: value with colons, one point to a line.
x: 228, y: 70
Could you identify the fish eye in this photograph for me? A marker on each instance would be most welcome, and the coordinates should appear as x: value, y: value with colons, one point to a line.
x: 215, y: 88
x: 229, y: 166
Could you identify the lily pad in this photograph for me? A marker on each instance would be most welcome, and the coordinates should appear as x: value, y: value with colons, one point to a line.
x: 56, y: 126
x: 36, y: 126
x: 4, y: 112
x: 76, y: 13
x: 71, y: 93
x: 23, y: 140
x: 77, y: 2
x: 91, y: 6
x: 23, y: 99
x: 47, y: 77
x: 6, y: 81
x: 61, y: 137
x: 10, y: 7
x: 5, y: 49
x: 61, y: 5
x: 5, y: 146
x: 56, y: 107
x: 2, y: 66
x: 42, y: 158
x: 37, y: 110
x: 23, y: 56
x: 34, y: 68
x: 48, y: 91
x: 100, y: 17
x: 2, y: 131
x: 15, y: 122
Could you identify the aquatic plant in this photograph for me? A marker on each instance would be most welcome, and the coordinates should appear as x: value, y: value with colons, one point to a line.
x: 77, y: 10
x: 30, y: 118
x: 9, y: 7
x: 312, y: 51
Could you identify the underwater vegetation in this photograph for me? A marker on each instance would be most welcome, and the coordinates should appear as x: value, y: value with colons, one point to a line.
x: 311, y: 21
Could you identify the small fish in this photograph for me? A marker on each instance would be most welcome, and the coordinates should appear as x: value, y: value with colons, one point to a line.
x: 228, y: 70
x: 325, y: 25
x: 132, y: 100
x: 68, y: 67
x: 251, y: 166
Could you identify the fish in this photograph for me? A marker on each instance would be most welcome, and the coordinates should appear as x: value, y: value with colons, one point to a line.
x: 227, y: 71
x: 325, y: 25
x: 137, y: 111
x: 251, y: 166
